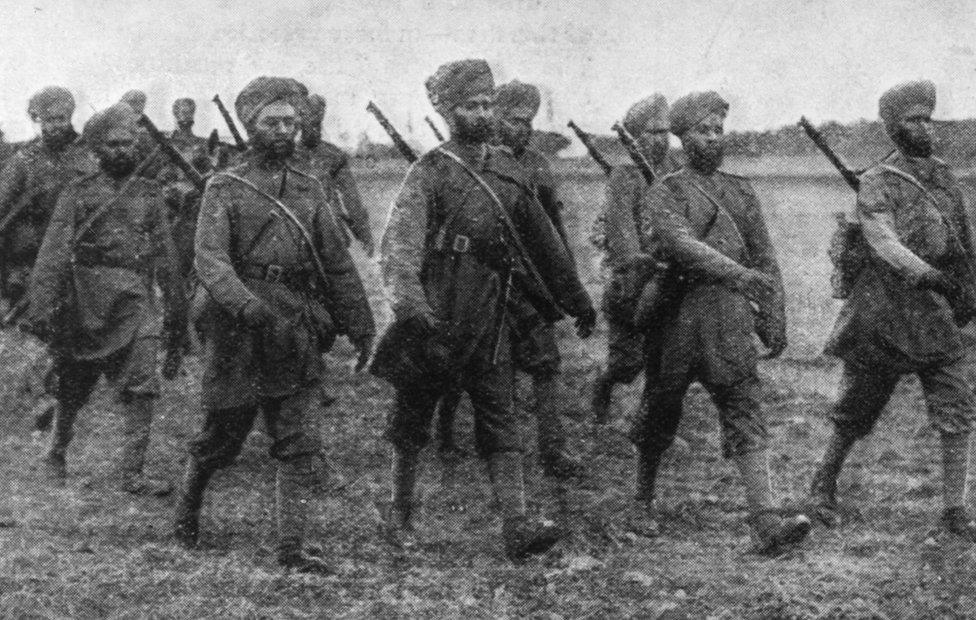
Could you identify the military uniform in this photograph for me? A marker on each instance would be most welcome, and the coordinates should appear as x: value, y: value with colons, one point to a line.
x: 248, y: 253
x: 107, y: 260
x: 331, y: 165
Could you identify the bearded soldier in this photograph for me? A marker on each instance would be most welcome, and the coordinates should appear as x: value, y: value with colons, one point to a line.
x: 913, y: 293
x: 277, y: 285
x: 30, y: 184
x: 332, y: 165
x: 647, y: 121
x: 93, y: 294
x: 710, y: 226
x: 463, y: 212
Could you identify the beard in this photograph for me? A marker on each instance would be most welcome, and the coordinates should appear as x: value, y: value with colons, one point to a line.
x: 912, y: 145
x: 117, y: 166
x: 275, y: 148
x: 478, y: 131
x: 704, y: 158
x: 57, y: 138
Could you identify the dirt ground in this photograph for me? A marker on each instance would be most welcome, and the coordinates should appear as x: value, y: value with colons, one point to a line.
x: 86, y: 551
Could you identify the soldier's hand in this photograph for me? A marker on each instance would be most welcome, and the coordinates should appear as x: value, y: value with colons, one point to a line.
x: 937, y: 281
x: 775, y: 345
x: 364, y: 347
x: 755, y: 285
x: 585, y: 322
x: 428, y: 323
x: 256, y: 314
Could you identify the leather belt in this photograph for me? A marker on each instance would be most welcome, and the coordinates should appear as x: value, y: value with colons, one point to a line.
x: 89, y: 257
x: 292, y: 276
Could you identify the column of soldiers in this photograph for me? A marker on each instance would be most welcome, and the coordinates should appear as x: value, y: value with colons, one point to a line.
x: 478, y: 267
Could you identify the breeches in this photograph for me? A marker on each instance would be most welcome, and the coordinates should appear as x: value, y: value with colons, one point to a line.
x: 131, y: 372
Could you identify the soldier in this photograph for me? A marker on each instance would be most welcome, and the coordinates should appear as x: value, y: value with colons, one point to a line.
x: 710, y: 226
x: 277, y: 284
x: 913, y: 293
x: 332, y: 165
x: 183, y: 138
x: 516, y: 104
x: 445, y: 253
x: 30, y: 184
x: 647, y: 121
x: 107, y: 246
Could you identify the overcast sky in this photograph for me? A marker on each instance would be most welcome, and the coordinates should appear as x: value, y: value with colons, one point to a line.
x: 773, y: 59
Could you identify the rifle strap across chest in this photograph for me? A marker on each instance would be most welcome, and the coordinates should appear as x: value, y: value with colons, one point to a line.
x: 719, y: 211
x: 910, y: 178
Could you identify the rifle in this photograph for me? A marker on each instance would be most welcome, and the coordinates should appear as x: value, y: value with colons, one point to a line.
x: 238, y: 140
x: 15, y: 312
x: 174, y: 156
x: 634, y: 151
x: 433, y: 127
x: 213, y: 142
x: 590, y: 147
x: 849, y: 175
x: 391, y: 131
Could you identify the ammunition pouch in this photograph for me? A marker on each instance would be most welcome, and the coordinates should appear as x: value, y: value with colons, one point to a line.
x: 848, y: 252
x: 625, y: 287
x: 408, y: 354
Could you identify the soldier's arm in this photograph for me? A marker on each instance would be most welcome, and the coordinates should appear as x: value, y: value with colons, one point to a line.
x: 874, y: 212
x: 547, y: 190
x: 403, y: 242
x: 346, y: 186
x: 211, y: 248
x: 47, y: 277
x: 661, y: 214
x: 347, y: 297
x: 166, y: 263
x: 622, y: 236
x: 762, y: 256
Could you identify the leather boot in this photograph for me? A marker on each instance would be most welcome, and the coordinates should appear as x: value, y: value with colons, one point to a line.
x: 62, y: 430
x: 135, y: 427
x: 774, y: 535
x: 958, y: 523
x: 556, y: 462
x: 294, y: 479
x: 186, y: 521
x: 601, y: 397
x: 397, y: 526
x: 446, y: 415
x: 523, y: 537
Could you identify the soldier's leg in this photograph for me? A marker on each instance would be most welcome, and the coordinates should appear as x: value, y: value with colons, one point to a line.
x: 863, y: 395
x: 950, y: 403
x: 625, y: 361
x: 408, y: 431
x: 132, y: 373
x: 498, y: 441
x: 446, y: 415
x: 215, y: 445
x: 745, y: 441
x: 295, y: 445
x: 76, y: 380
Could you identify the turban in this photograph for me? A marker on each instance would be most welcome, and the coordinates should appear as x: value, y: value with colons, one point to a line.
x: 517, y: 97
x: 263, y: 91
x: 135, y: 99
x: 50, y: 99
x: 457, y: 81
x: 692, y: 108
x: 185, y: 101
x: 901, y: 98
x: 316, y: 108
x: 653, y: 109
x: 101, y: 123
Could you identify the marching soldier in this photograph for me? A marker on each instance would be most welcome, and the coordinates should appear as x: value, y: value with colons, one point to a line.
x: 448, y: 252
x: 30, y: 184
x: 647, y: 121
x: 516, y: 104
x: 914, y: 291
x: 332, y: 165
x: 277, y: 285
x: 93, y: 295
x: 710, y: 226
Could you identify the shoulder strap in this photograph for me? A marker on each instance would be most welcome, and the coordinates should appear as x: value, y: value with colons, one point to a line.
x: 720, y: 209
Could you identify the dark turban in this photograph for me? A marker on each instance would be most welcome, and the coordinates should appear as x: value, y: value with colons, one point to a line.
x: 263, y: 91
x: 185, y: 101
x: 455, y: 82
x: 50, y: 99
x: 517, y: 96
x: 899, y: 99
x: 692, y: 108
x: 114, y: 117
x: 316, y: 108
x: 135, y: 99
x: 653, y: 109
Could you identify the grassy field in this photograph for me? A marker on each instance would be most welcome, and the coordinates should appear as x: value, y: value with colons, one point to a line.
x: 85, y: 551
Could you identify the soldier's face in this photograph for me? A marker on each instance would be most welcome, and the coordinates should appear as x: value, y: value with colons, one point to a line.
x: 913, y: 133
x: 275, y: 128
x: 704, y: 143
x: 653, y: 142
x: 117, y: 151
x: 55, y: 126
x: 472, y: 120
x: 515, y: 130
x: 183, y: 114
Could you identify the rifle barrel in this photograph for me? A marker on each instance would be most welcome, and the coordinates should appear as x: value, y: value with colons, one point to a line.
x: 174, y: 156
x: 391, y: 131
x: 238, y: 139
x: 821, y: 143
x: 634, y: 151
x: 591, y: 148
x: 433, y: 127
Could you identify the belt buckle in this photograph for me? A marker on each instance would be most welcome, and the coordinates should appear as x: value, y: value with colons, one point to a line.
x: 461, y: 244
x: 273, y: 273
